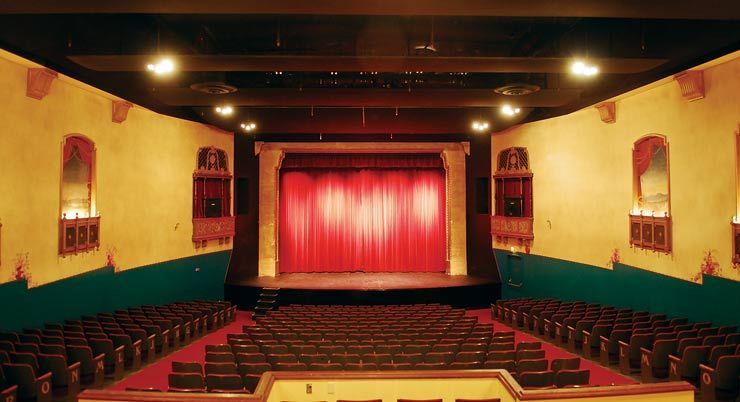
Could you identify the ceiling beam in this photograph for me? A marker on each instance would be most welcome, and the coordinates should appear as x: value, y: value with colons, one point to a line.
x: 395, y: 64
x: 641, y: 9
x: 344, y: 97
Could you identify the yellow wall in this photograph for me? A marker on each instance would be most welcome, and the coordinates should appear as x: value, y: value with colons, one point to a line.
x: 583, y: 175
x: 143, y: 177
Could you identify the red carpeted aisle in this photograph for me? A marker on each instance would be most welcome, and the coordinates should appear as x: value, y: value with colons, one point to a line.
x: 600, y: 375
x: 155, y: 375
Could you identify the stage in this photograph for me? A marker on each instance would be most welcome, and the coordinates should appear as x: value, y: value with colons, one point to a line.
x: 368, y: 288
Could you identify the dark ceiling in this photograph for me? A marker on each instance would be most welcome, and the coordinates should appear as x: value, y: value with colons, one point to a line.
x: 345, y: 66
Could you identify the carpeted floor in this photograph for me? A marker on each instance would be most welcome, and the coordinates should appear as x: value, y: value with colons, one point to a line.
x: 155, y: 375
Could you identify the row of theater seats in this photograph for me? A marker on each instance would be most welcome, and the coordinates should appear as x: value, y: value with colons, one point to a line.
x: 421, y: 337
x: 638, y: 341
x: 58, y: 360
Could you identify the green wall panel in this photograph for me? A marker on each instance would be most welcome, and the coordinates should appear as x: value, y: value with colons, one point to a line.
x: 716, y: 300
x: 104, y: 290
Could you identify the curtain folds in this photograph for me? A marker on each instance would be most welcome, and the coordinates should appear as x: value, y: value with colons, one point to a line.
x: 370, y: 219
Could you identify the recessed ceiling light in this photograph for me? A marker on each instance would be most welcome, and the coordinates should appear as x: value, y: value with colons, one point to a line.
x: 225, y: 110
x: 580, y: 67
x: 508, y: 110
x: 249, y: 126
x: 480, y: 125
x: 164, y: 66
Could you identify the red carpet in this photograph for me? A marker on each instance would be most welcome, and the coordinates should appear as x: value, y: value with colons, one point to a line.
x: 155, y: 375
x: 600, y: 375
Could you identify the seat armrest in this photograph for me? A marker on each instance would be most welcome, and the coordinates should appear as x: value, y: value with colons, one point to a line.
x: 604, y: 339
x: 623, y: 344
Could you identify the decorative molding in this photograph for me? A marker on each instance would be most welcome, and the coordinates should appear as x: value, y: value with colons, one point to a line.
x: 205, y: 229
x: 466, y: 147
x: 607, y: 111
x: 38, y: 82
x: 258, y: 147
x: 120, y: 110
x: 512, y: 227
x: 78, y: 235
x: 651, y: 232
x: 691, y: 83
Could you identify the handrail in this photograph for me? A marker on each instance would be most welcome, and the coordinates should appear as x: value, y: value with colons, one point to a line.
x: 264, y: 387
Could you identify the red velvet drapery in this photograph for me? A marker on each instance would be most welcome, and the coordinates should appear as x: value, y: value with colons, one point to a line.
x: 84, y: 149
x: 370, y: 220
x: 643, y: 155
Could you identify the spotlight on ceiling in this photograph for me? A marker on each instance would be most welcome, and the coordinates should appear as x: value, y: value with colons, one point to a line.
x: 225, y: 110
x: 163, y: 66
x: 580, y: 67
x: 248, y: 127
x: 508, y: 110
x: 480, y: 125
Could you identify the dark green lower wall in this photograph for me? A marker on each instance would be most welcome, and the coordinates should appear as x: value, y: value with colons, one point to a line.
x: 105, y: 290
x: 716, y: 300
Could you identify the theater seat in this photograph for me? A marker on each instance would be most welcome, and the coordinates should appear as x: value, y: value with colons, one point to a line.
x: 92, y: 368
x: 8, y: 391
x: 65, y: 379
x: 720, y: 383
x: 537, y: 379
x: 114, y: 356
x: 225, y: 383
x: 30, y: 386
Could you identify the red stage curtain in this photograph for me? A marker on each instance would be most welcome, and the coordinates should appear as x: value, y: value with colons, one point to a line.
x: 643, y: 156
x: 369, y: 220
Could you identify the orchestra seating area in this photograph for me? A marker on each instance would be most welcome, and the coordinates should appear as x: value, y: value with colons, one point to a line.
x: 657, y: 347
x: 60, y: 359
x: 359, y: 338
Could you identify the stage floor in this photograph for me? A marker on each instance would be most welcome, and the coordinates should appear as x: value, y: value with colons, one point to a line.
x: 364, y: 281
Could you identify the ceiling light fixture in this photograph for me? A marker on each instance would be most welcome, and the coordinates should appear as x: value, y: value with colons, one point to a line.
x: 163, y: 66
x: 580, y: 67
x: 480, y: 125
x: 225, y: 110
x: 249, y: 127
x: 508, y: 110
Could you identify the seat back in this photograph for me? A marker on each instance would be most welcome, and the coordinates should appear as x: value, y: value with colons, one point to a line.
x: 529, y: 346
x: 531, y: 365
x: 56, y: 365
x: 186, y: 382
x: 530, y: 354
x: 187, y: 367
x: 565, y: 364
x: 224, y: 382
x: 221, y: 368
x: 564, y: 378
x: 536, y: 379
x: 23, y: 376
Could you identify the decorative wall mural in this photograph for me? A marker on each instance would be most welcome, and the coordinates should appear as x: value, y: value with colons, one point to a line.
x: 21, y: 269
x: 709, y: 266
x: 614, y: 259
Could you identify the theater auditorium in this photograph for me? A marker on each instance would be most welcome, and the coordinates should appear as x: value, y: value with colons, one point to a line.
x: 369, y: 201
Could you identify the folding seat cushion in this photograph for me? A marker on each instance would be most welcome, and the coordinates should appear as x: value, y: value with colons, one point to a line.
x: 222, y: 348
x: 27, y: 348
x: 253, y: 368
x: 530, y: 354
x: 458, y: 365
x: 9, y: 336
x: 501, y: 355
x: 274, y: 349
x: 250, y: 357
x: 529, y: 346
x: 377, y: 358
x: 303, y: 349
x: 360, y: 349
x: 187, y: 367
x: 361, y: 367
x: 445, y: 347
x: 389, y: 348
x: 344, y: 358
x: 411, y: 358
x: 220, y: 357
x: 465, y: 357
x: 313, y: 358
x: 565, y: 364
x: 474, y: 347
x: 536, y: 379
x: 439, y: 357
x: 221, y: 368
x: 500, y: 346
x: 531, y: 365
x: 508, y: 365
x: 295, y: 366
x: 224, y: 383
x: 395, y: 366
x: 29, y: 338
x: 30, y: 386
